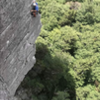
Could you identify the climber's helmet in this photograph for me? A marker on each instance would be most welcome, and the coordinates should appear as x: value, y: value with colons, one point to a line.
x: 34, y: 4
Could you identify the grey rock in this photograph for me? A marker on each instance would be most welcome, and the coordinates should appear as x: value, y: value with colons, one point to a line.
x: 18, y: 32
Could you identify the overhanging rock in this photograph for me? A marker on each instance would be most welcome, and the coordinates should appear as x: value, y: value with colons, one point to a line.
x: 18, y: 32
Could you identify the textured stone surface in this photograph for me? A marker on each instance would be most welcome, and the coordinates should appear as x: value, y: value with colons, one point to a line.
x: 18, y: 32
x: 3, y: 91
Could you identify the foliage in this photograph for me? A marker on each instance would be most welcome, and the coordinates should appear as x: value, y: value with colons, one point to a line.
x: 68, y: 52
x: 61, y: 96
x: 88, y: 14
x: 87, y: 93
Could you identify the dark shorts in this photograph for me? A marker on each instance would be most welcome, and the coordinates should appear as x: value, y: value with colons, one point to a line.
x: 36, y: 13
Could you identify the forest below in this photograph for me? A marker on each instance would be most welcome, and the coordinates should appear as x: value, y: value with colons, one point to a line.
x: 68, y: 52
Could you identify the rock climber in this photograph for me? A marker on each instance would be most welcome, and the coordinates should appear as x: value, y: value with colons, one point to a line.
x: 35, y: 8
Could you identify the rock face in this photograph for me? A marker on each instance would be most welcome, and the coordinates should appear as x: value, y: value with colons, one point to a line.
x: 18, y: 32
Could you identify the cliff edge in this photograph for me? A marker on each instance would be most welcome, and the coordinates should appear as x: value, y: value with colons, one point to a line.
x: 18, y: 32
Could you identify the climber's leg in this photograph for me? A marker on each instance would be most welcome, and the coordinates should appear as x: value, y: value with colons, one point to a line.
x: 34, y: 13
x: 37, y: 12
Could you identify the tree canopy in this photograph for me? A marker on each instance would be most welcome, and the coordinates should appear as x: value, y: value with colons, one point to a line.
x: 68, y: 52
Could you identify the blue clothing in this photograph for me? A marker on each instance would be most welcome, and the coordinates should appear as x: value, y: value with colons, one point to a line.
x: 36, y: 7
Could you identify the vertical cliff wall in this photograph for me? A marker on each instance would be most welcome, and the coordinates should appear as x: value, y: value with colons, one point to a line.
x: 18, y: 32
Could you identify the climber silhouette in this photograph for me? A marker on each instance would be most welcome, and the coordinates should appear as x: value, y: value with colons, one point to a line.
x: 35, y: 8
